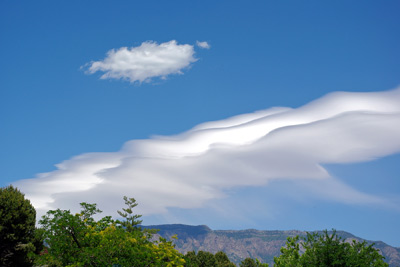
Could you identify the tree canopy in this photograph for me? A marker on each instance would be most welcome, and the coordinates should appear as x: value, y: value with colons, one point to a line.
x: 80, y: 240
x: 17, y: 228
x: 249, y: 262
x: 328, y: 250
x: 207, y: 259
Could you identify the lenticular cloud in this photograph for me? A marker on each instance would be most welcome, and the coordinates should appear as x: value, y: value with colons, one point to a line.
x: 187, y: 170
x: 141, y: 63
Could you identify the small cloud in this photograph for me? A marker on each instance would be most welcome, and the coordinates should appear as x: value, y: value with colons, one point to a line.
x: 144, y: 62
x: 203, y: 45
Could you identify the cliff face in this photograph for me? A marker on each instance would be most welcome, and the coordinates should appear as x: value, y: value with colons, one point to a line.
x: 239, y: 245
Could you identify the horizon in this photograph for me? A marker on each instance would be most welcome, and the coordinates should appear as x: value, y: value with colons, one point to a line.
x: 249, y: 115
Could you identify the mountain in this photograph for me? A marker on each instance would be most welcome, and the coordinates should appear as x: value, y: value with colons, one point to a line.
x: 240, y: 244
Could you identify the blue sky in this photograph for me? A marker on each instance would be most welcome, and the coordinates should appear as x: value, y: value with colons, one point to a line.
x: 304, y: 157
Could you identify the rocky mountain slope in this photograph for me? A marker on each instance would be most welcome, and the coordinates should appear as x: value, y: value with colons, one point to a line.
x: 238, y: 245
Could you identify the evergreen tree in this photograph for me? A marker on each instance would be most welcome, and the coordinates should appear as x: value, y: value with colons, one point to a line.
x: 17, y: 228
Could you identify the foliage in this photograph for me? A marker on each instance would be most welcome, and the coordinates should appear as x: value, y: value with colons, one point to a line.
x: 249, y: 262
x: 207, y: 259
x: 223, y: 260
x: 290, y: 256
x: 328, y: 250
x: 80, y: 240
x: 201, y: 259
x: 220, y: 259
x: 17, y: 228
x: 131, y: 220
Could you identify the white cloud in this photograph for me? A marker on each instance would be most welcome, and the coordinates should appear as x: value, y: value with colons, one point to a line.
x: 195, y: 167
x: 203, y: 45
x: 141, y: 63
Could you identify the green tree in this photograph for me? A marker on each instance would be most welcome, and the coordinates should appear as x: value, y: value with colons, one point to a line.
x: 249, y: 262
x: 207, y: 259
x: 131, y: 221
x: 290, y: 255
x: 328, y: 250
x: 80, y: 240
x: 191, y: 259
x: 17, y: 228
x: 66, y: 234
x: 223, y: 260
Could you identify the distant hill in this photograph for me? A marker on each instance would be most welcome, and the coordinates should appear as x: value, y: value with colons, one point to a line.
x: 241, y: 244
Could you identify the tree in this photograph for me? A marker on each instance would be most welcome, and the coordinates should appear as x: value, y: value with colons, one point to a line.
x: 191, y: 259
x: 290, y: 256
x: 67, y: 235
x: 223, y: 260
x: 207, y: 259
x: 131, y: 220
x: 328, y: 250
x: 249, y: 262
x: 17, y: 228
x: 80, y: 240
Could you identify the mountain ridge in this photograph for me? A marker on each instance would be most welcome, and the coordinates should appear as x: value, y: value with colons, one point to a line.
x: 240, y: 244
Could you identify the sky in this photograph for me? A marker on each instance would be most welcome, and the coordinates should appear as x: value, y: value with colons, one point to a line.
x: 270, y: 115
